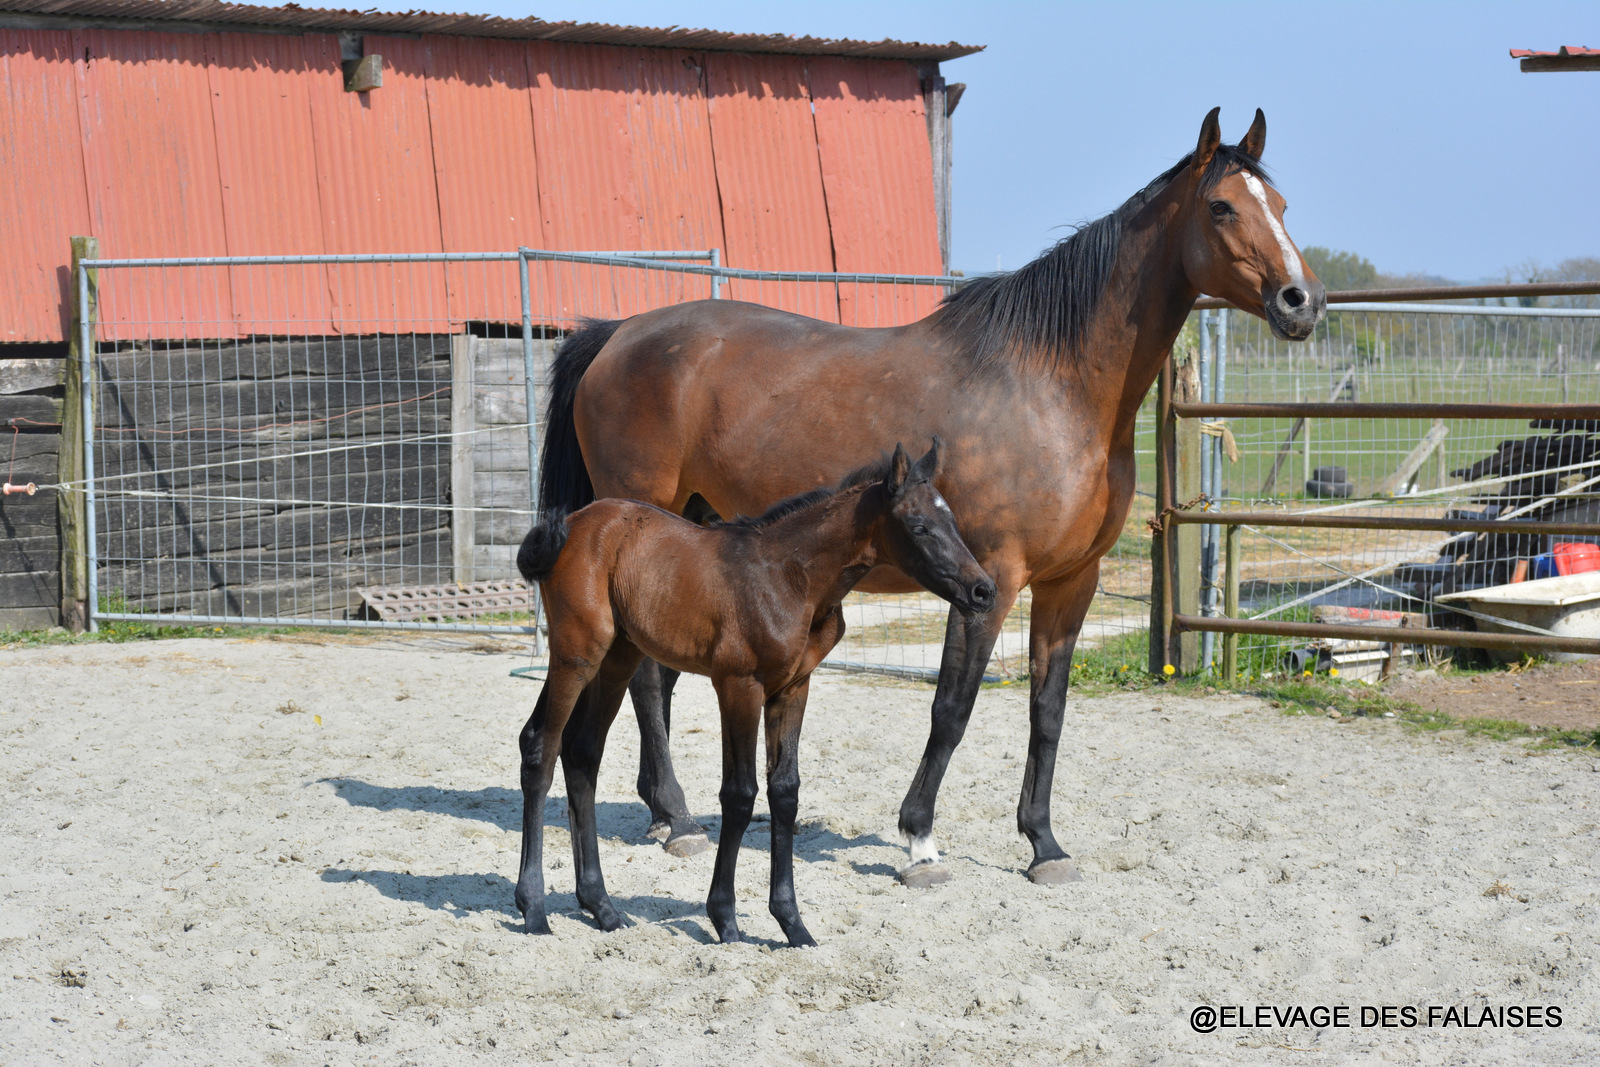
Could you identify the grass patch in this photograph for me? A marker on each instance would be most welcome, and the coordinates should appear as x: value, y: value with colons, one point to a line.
x: 119, y: 631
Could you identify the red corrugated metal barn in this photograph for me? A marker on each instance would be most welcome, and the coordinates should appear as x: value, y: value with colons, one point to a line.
x: 199, y: 128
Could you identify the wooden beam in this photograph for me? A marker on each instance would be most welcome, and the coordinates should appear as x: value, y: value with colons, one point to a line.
x: 463, y: 421
x: 26, y: 375
x: 1396, y: 483
x: 1554, y: 64
x: 70, y: 502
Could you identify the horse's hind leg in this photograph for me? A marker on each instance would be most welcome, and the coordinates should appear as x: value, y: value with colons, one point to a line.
x: 540, y: 743
x: 581, y: 749
x: 740, y: 700
x: 1058, y: 611
x: 785, y: 712
x: 658, y: 786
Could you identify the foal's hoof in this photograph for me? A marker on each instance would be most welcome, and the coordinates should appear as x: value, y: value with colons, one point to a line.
x: 925, y: 875
x: 686, y: 845
x: 536, y: 924
x: 1054, y: 872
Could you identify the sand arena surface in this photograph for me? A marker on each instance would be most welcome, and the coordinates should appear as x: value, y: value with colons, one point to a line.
x: 197, y: 872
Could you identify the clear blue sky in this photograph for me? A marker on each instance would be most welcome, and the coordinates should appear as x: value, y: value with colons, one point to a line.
x: 1400, y: 130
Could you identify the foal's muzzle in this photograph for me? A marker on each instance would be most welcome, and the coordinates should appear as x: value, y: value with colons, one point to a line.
x: 981, y: 596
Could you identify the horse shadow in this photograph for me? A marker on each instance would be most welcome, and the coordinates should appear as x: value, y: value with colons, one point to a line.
x: 463, y: 895
x: 626, y: 821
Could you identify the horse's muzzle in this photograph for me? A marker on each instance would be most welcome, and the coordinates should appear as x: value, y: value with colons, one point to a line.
x: 980, y: 598
x: 1294, y: 310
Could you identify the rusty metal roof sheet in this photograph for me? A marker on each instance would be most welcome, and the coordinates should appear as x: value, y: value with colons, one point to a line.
x: 293, y: 16
x: 1566, y: 50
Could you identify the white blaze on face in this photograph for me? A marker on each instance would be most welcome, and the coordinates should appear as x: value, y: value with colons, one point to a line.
x: 1291, y: 258
x: 938, y: 502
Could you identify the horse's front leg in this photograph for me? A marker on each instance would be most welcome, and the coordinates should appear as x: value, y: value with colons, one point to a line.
x: 658, y: 786
x: 740, y: 700
x: 1058, y: 611
x: 785, y: 713
x: 968, y: 640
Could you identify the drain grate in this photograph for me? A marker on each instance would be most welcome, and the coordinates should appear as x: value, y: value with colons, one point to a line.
x: 408, y: 603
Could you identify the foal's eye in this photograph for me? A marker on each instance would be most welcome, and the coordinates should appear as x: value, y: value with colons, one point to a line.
x: 1221, y: 209
x: 920, y: 531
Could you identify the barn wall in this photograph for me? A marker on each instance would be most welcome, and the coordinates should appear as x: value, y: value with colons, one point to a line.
x: 168, y: 144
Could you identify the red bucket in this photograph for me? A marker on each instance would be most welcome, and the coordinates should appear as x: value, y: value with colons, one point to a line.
x: 1575, y: 557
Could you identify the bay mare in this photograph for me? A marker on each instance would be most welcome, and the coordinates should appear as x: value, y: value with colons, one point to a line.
x: 754, y: 604
x: 1033, y: 380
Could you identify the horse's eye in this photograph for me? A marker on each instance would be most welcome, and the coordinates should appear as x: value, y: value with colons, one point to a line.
x: 1221, y: 209
x: 920, y: 531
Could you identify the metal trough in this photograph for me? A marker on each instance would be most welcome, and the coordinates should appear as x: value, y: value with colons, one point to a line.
x: 1568, y: 606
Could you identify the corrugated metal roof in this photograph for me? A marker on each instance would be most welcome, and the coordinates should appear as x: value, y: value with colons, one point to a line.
x: 774, y: 208
x: 877, y: 170
x: 421, y: 22
x: 1566, y: 50
x: 41, y: 181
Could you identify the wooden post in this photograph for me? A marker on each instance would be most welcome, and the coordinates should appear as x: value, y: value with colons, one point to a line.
x: 463, y: 421
x: 1178, y: 445
x: 1230, y: 606
x: 1398, y: 482
x: 70, y: 502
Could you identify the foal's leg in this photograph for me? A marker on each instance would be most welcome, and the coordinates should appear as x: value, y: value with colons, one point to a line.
x: 658, y: 786
x: 968, y: 640
x: 1058, y: 611
x: 540, y: 742
x: 785, y: 712
x: 581, y: 748
x: 740, y: 700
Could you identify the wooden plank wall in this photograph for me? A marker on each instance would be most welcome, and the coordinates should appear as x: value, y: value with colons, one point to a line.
x: 30, y: 544
x: 495, y: 465
x: 270, y: 458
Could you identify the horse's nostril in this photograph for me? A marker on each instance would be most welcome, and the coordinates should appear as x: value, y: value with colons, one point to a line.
x: 1294, y: 296
x: 983, y: 592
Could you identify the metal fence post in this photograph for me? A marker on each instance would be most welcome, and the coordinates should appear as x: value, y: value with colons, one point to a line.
x: 531, y: 391
x: 1230, y: 606
x: 716, y: 279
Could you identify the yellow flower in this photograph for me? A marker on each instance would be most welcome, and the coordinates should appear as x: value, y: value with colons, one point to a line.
x: 1333, y: 672
x: 1169, y: 670
x: 1308, y: 674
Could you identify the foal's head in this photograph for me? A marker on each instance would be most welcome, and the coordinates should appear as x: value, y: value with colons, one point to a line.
x: 919, y: 535
x: 1234, y: 243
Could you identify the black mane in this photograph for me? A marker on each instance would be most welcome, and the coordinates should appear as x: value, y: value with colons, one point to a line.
x: 1045, y: 307
x: 876, y: 471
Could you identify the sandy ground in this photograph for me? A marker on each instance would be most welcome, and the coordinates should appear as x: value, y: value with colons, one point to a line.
x: 196, y: 871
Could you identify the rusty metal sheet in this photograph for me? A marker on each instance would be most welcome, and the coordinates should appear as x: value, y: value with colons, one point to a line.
x: 261, y: 104
x: 150, y: 156
x: 774, y: 210
x: 877, y: 170
x: 41, y: 183
x: 484, y: 161
x: 378, y: 194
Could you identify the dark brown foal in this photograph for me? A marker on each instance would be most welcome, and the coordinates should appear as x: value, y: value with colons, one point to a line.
x: 754, y: 604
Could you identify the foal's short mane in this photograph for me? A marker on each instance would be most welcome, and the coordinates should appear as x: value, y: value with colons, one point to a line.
x: 1043, y: 310
x: 876, y: 471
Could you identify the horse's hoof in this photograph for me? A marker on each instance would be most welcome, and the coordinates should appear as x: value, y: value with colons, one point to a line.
x: 801, y: 938
x: 687, y: 845
x: 1054, y: 872
x: 536, y: 924
x: 659, y: 831
x: 925, y: 875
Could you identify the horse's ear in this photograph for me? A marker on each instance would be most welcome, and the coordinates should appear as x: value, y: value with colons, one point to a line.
x: 899, y: 469
x: 928, y: 465
x: 1255, y: 142
x: 1210, y: 141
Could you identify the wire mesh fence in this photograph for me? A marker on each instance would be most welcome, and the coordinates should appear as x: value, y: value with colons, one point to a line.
x: 1471, y: 467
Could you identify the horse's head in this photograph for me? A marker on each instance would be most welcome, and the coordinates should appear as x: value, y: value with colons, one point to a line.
x: 919, y: 535
x: 1234, y: 243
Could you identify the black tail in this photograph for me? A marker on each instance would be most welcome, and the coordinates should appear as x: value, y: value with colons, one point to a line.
x: 537, y: 556
x: 564, y: 483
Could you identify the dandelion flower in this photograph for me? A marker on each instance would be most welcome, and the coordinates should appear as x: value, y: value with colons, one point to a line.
x: 1307, y: 674
x: 1169, y: 670
x: 1333, y: 672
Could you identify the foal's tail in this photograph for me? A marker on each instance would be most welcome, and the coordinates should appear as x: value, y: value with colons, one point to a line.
x: 564, y: 483
x: 537, y: 556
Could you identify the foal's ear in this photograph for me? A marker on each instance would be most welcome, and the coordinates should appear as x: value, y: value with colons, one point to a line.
x: 1255, y: 141
x: 899, y: 470
x: 928, y: 465
x: 1210, y: 141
